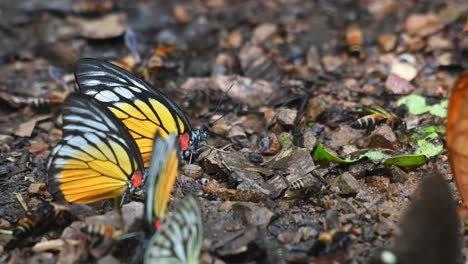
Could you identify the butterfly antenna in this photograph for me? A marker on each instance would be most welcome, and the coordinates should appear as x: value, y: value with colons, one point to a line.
x: 222, y: 98
x: 237, y: 106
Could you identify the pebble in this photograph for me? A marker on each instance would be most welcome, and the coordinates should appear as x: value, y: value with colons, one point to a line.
x: 290, y: 237
x: 252, y: 214
x: 37, y: 189
x: 383, y: 137
x: 404, y: 70
x: 387, y: 41
x: 397, y: 85
x: 193, y: 171
x: 287, y: 116
x: 346, y: 184
x: 307, y: 232
x: 422, y: 25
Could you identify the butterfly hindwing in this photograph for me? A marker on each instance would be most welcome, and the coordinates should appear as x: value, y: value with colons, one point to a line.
x: 96, y: 159
x: 161, y: 178
x: 143, y: 109
x: 180, y: 238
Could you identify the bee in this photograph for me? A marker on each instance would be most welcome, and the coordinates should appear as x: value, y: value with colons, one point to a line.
x: 101, y: 230
x: 378, y: 115
x: 104, y: 238
x: 330, y: 242
x: 39, y: 222
x: 39, y: 104
x: 303, y: 187
x: 354, y: 40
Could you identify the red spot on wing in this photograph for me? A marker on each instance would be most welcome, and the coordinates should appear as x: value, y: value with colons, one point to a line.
x: 137, y: 179
x: 157, y: 225
x: 184, y: 141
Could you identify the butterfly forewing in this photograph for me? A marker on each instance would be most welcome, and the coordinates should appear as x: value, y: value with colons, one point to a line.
x: 96, y: 158
x: 457, y: 134
x: 143, y: 109
x: 180, y: 238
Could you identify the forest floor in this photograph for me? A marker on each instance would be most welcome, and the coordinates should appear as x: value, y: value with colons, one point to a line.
x: 280, y: 86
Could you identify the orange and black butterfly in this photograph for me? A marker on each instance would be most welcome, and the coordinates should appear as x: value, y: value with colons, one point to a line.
x: 142, y: 108
x: 457, y: 134
x: 97, y: 158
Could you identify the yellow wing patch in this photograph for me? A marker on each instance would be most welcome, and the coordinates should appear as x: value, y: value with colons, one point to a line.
x: 95, y: 172
x: 165, y: 184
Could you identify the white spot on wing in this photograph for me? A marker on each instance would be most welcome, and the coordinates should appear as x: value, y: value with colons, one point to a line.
x: 124, y: 92
x: 106, y: 96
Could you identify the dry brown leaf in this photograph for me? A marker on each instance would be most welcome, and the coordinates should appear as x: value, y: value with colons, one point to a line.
x: 109, y: 26
x: 25, y: 129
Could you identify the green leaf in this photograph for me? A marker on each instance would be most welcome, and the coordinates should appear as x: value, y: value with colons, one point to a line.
x: 416, y: 104
x: 427, y: 148
x: 439, y: 110
x: 322, y: 156
x: 407, y: 160
x: 375, y: 156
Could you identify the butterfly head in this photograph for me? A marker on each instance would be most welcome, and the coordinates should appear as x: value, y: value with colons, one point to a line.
x: 189, y: 142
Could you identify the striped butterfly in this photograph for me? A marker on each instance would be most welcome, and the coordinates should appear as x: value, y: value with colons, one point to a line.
x: 142, y: 108
x: 162, y: 175
x: 180, y: 239
x: 97, y: 158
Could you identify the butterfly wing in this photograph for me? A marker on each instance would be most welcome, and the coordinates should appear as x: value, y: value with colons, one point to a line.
x: 457, y: 134
x: 180, y: 239
x: 96, y: 158
x: 143, y: 109
x: 162, y: 175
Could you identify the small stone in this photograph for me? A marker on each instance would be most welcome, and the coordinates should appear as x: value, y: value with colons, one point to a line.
x: 398, y: 175
x: 307, y: 232
x: 381, y: 8
x: 4, y: 224
x: 397, y: 85
x: 446, y: 59
x: 309, y: 139
x: 226, y: 206
x: 422, y: 25
x: 387, y: 42
x: 269, y: 145
x: 285, y: 139
x: 383, y: 137
x: 252, y: 214
x: 263, y: 32
x: 193, y: 171
x: 181, y: 14
x: 290, y: 237
x: 287, y: 116
x: 404, y: 70
x: 37, y: 189
x: 438, y: 42
x: 346, y: 184
x: 331, y: 63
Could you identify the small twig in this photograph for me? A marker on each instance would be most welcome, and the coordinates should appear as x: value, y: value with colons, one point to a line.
x: 20, y: 199
x: 56, y: 244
